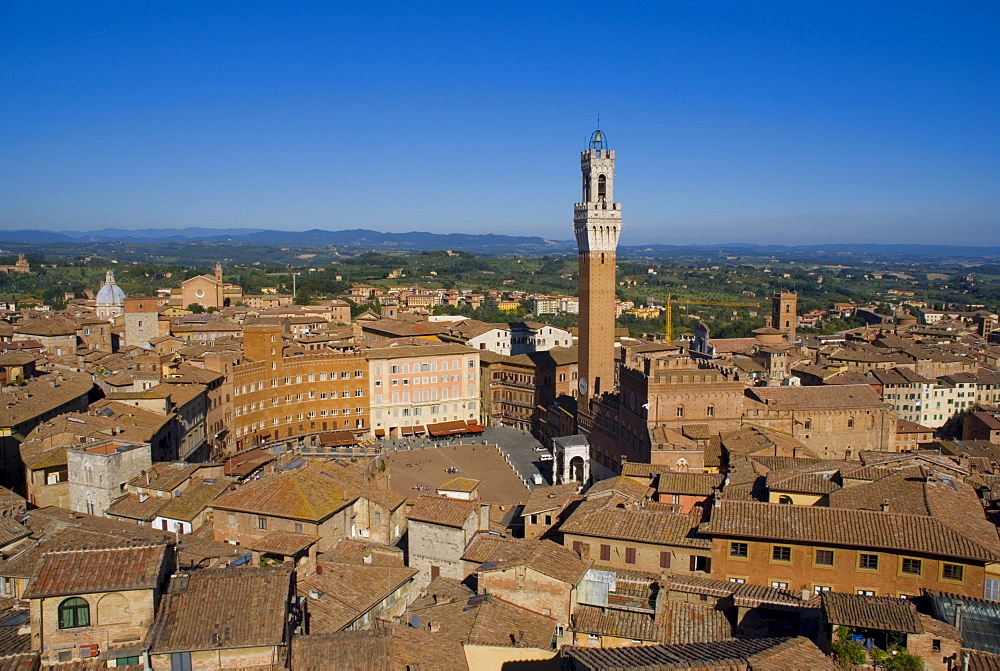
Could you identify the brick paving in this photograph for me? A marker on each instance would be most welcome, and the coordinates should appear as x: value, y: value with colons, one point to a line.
x: 427, y: 467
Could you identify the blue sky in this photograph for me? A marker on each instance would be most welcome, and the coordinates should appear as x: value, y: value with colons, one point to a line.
x: 743, y: 121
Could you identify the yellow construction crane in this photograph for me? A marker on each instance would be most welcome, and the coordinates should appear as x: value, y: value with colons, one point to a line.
x: 669, y: 316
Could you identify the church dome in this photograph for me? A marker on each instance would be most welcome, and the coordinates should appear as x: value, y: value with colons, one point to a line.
x: 110, y: 293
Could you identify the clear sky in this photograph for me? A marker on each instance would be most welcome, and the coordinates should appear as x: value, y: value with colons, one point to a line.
x: 740, y: 121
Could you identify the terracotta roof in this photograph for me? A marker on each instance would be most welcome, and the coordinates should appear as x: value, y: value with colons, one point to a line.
x: 759, y: 653
x: 871, y: 612
x: 459, y: 484
x: 752, y: 440
x: 342, y: 593
x: 545, y: 557
x: 797, y: 653
x: 919, y: 491
x: 47, y: 326
x: 551, y: 498
x: 349, y: 550
x: 800, y: 483
x: 98, y: 570
x: 441, y: 590
x: 199, y: 495
x: 693, y: 484
x: 644, y: 526
x: 165, y: 475
x: 820, y: 397
x: 384, y: 649
x: 833, y: 526
x: 248, y: 462
x: 613, y: 622
x: 135, y: 507
x: 621, y: 484
x: 283, y: 543
x: 442, y: 510
x: 213, y: 609
x: 40, y: 396
x: 681, y: 622
x: 744, y: 594
x: 486, y: 547
x: 487, y: 620
x: 305, y: 493
x: 11, y: 530
x: 60, y: 528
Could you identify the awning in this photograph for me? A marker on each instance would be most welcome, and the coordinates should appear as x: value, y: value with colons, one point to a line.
x: 338, y: 439
x: 380, y: 433
x: 454, y: 428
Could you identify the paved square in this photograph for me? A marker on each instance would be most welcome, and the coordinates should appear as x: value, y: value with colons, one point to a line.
x: 428, y: 467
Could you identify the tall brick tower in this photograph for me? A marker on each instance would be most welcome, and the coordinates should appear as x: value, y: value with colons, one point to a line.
x: 597, y: 222
x: 784, y: 308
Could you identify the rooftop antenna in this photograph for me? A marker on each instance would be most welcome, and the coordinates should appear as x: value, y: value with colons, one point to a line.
x: 598, y: 121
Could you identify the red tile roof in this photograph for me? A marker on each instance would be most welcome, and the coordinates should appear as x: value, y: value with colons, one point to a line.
x: 99, y: 570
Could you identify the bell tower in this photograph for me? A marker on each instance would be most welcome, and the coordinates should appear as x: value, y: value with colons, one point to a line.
x: 597, y: 222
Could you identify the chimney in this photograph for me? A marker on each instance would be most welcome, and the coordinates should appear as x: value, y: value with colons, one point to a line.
x: 958, y: 615
x: 885, y: 505
x: 434, y: 627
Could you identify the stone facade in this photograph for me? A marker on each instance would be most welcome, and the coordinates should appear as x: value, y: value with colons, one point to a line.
x: 834, y: 422
x: 142, y: 321
x: 436, y: 549
x: 99, y: 472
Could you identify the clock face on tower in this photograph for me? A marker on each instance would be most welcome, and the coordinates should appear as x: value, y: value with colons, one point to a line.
x: 582, y: 386
x: 631, y: 400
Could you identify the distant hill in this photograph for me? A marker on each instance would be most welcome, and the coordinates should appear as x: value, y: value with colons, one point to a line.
x: 488, y: 243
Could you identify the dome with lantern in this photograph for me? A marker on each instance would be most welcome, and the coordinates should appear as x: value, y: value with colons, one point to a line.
x: 110, y: 301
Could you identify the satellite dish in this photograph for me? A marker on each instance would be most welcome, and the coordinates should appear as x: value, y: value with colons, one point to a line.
x: 582, y: 386
x: 415, y: 621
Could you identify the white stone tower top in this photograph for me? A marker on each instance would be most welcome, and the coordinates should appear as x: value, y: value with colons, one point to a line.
x: 597, y: 221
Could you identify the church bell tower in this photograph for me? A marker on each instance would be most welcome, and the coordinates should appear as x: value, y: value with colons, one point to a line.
x: 597, y: 222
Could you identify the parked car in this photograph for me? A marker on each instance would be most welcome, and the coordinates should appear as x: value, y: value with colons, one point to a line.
x: 546, y: 457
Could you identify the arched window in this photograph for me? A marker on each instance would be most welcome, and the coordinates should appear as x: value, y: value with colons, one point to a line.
x: 680, y: 411
x: 850, y: 423
x: 784, y: 499
x: 602, y: 187
x: 74, y: 612
x: 710, y: 411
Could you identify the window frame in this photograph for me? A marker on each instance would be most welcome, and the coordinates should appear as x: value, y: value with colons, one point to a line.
x: 944, y: 568
x: 777, y: 548
x: 818, y: 564
x: 861, y: 558
x: 742, y: 557
x: 911, y: 574
x: 66, y: 608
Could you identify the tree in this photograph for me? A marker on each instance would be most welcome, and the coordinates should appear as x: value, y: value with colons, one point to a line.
x: 897, y: 658
x: 848, y: 651
x: 196, y: 308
